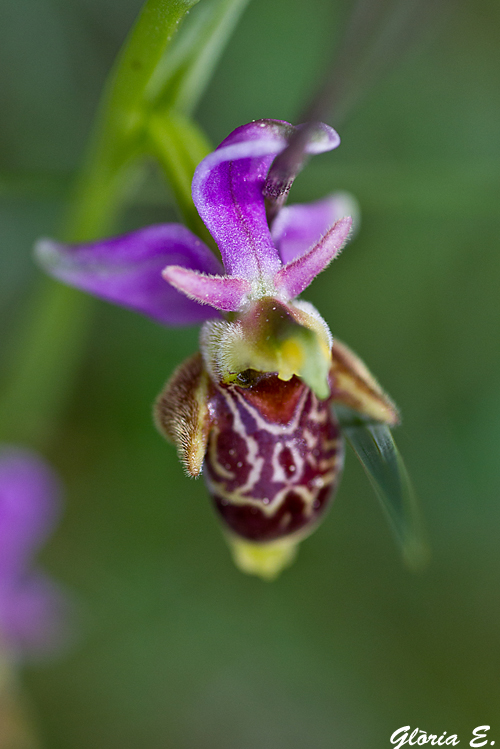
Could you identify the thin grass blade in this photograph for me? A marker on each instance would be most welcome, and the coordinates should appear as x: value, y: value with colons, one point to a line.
x: 375, y: 447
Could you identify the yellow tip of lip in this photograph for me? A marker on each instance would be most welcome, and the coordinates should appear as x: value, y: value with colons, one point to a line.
x: 266, y: 560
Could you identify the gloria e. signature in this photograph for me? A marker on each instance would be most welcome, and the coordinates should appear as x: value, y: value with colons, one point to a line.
x: 419, y: 737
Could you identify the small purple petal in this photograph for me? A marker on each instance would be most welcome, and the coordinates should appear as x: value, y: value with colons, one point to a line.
x: 225, y: 293
x: 29, y: 507
x: 227, y: 191
x: 297, y: 228
x: 126, y: 270
x: 294, y: 277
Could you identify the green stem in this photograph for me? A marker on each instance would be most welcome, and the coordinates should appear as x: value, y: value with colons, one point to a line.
x: 45, y: 360
x: 52, y: 335
x: 119, y: 130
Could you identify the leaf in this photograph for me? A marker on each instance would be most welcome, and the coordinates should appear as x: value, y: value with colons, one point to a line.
x: 183, y: 74
x: 375, y: 447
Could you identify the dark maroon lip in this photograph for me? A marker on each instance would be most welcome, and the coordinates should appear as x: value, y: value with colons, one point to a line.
x: 274, y: 458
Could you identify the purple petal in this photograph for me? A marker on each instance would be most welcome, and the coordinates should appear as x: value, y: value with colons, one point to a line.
x: 225, y: 293
x: 127, y: 270
x: 294, y: 277
x: 297, y: 228
x: 227, y: 191
x: 33, y: 612
x: 29, y: 507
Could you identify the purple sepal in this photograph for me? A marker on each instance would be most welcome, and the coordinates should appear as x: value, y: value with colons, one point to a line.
x: 126, y: 270
x: 299, y: 227
x: 296, y: 276
x: 227, y: 191
x: 225, y: 293
x: 30, y: 604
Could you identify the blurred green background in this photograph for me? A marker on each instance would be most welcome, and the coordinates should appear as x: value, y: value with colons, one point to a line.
x: 177, y: 649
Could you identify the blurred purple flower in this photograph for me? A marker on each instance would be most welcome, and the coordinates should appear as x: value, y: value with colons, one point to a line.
x: 31, y: 605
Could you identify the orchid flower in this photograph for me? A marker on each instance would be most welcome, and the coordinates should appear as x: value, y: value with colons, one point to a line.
x: 30, y: 603
x: 254, y: 407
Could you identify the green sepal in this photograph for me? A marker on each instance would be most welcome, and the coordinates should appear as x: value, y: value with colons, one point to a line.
x: 375, y: 447
x: 179, y: 145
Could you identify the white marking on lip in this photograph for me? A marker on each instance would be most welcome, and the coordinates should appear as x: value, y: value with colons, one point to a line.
x: 309, y: 438
x: 214, y: 458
